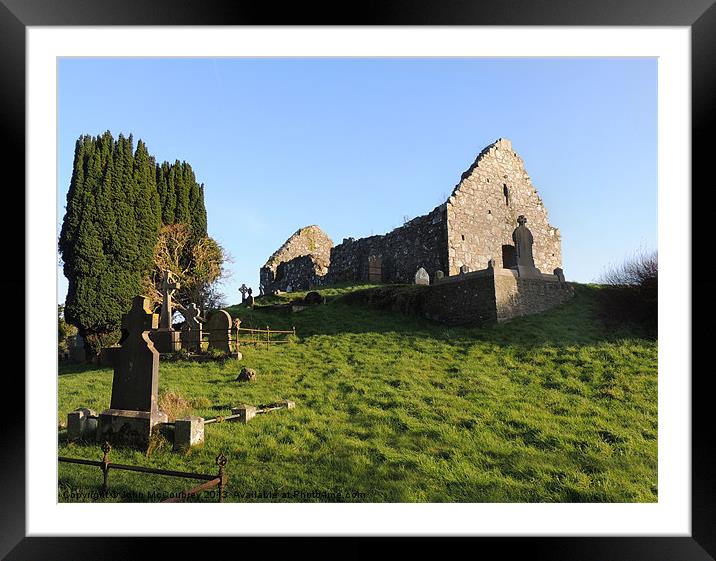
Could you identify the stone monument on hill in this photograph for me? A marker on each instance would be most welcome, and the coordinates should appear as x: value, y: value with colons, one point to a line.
x: 133, y: 408
x: 166, y: 339
x: 523, y: 249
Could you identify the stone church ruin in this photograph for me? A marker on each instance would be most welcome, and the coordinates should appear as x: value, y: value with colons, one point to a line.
x: 471, y: 231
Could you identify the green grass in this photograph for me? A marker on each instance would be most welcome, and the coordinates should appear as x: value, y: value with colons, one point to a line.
x: 392, y: 408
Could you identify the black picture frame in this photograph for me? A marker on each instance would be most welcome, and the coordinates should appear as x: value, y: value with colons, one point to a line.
x: 699, y: 15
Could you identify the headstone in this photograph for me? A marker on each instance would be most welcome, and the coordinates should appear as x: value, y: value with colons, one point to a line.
x: 244, y: 289
x: 439, y: 275
x: 523, y: 249
x: 188, y: 432
x: 289, y: 288
x: 422, y: 276
x: 191, y: 332
x: 133, y: 408
x: 464, y: 269
x: 219, y: 328
x: 76, y: 347
x: 250, y: 299
x: 313, y: 298
x: 491, y: 264
x: 559, y: 273
x: 165, y: 338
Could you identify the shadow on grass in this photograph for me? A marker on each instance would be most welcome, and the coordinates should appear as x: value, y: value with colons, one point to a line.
x: 68, y: 368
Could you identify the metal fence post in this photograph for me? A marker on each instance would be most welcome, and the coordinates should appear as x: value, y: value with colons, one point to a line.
x: 105, y: 467
x: 221, y: 462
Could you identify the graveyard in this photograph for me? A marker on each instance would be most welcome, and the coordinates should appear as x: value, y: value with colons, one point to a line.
x: 389, y: 406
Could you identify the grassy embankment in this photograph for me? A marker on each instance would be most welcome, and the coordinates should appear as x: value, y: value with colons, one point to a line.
x: 391, y: 408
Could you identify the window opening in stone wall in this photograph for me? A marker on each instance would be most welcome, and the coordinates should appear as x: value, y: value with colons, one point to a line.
x: 463, y: 237
x: 506, y: 193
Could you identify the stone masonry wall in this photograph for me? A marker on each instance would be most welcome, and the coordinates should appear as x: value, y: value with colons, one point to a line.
x: 492, y: 295
x: 300, y: 262
x: 483, y: 209
x: 473, y: 226
x: 421, y: 242
x: 470, y: 300
x: 516, y: 296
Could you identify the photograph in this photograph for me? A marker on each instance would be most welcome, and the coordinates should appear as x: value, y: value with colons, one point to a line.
x: 357, y: 279
x: 369, y: 279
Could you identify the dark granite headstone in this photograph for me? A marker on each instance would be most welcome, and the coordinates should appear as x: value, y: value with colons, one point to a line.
x: 133, y: 408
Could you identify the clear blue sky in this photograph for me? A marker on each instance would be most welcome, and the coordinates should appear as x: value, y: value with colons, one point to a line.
x: 356, y: 145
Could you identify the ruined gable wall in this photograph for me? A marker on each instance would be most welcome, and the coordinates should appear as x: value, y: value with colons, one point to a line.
x: 481, y: 220
x: 304, y: 256
x: 421, y: 242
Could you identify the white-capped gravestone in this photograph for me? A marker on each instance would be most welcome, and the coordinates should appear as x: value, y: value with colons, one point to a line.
x: 422, y: 277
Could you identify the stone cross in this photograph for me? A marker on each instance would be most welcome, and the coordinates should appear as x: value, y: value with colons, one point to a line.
x: 219, y: 327
x: 168, y: 287
x: 243, y: 291
x: 422, y: 276
x: 191, y: 331
x: 523, y: 243
x: 191, y: 314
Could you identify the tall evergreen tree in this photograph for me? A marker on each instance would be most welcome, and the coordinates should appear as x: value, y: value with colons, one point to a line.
x: 118, y: 201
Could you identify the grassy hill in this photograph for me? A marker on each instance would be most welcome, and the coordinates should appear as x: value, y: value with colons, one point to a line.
x: 392, y: 408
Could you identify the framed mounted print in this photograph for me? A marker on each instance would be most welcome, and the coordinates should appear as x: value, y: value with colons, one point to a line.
x: 388, y: 277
